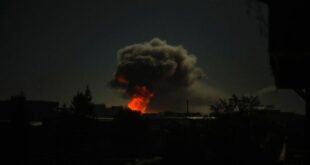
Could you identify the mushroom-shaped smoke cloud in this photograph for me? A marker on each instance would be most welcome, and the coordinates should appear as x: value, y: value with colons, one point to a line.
x: 157, y: 75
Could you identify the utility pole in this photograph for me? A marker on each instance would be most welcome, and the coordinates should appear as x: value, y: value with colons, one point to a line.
x: 187, y: 110
x: 307, y: 123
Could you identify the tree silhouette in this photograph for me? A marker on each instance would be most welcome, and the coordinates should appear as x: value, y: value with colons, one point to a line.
x: 82, y: 103
x: 241, y: 104
x: 248, y: 103
x: 18, y: 113
x: 219, y: 106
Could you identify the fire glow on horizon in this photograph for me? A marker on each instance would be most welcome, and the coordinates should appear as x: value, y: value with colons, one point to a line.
x: 141, y: 96
x: 140, y: 99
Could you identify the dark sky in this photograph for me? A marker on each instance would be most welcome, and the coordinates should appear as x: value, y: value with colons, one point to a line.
x: 51, y: 49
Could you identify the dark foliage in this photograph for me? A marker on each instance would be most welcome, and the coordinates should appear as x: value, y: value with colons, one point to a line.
x: 82, y: 103
x: 241, y: 104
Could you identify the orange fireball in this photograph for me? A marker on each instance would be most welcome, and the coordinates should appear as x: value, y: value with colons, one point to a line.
x: 140, y: 99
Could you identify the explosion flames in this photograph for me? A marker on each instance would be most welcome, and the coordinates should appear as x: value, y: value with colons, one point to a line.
x: 141, y: 96
x: 140, y: 99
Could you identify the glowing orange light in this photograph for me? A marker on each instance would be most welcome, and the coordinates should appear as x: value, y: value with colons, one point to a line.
x: 121, y: 79
x: 140, y: 99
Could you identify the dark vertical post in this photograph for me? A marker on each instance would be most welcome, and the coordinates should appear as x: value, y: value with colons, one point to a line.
x: 187, y: 111
x: 307, y: 124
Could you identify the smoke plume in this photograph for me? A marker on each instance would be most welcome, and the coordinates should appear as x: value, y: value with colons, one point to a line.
x: 266, y: 90
x: 167, y: 72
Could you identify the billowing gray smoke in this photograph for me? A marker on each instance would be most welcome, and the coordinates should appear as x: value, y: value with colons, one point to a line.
x: 168, y: 71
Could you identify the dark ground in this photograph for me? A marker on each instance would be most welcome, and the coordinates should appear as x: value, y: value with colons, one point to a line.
x: 134, y: 139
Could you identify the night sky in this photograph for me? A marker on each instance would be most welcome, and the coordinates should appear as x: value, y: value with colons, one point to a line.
x: 52, y: 49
